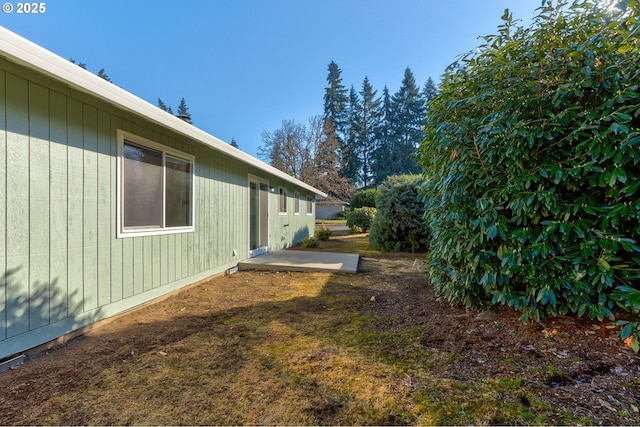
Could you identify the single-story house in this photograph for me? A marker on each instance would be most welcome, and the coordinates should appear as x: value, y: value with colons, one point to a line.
x: 108, y: 202
x: 327, y: 208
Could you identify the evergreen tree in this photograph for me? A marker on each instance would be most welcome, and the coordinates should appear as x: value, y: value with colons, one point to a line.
x: 164, y: 107
x: 336, y: 109
x: 101, y: 73
x: 350, y: 164
x: 408, y: 106
x: 79, y: 64
x: 233, y: 142
x: 336, y: 101
x: 366, y: 127
x: 104, y: 75
x: 183, y: 111
x: 385, y: 141
x: 430, y: 90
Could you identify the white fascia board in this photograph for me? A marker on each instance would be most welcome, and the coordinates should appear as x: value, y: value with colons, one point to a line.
x: 24, y: 52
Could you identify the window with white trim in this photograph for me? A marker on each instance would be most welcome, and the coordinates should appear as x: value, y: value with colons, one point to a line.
x: 282, y: 200
x: 309, y: 205
x: 296, y: 203
x: 156, y: 188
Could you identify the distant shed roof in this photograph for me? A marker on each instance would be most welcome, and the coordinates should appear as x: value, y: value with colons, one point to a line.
x: 26, y: 53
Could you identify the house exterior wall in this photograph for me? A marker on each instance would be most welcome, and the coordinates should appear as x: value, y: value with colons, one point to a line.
x: 62, y: 266
x: 328, y: 211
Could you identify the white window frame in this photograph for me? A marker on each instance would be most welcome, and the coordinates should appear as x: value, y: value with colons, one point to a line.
x: 310, y: 202
x: 296, y: 203
x: 282, y: 191
x: 146, y: 143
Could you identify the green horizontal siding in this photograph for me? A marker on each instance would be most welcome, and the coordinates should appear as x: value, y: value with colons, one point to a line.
x: 61, y: 265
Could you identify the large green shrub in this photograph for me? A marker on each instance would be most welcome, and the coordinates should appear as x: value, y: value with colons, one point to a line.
x: 364, y: 198
x: 361, y: 218
x: 399, y: 224
x: 532, y: 151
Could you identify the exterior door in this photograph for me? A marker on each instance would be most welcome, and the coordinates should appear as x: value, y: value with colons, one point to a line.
x: 258, y: 217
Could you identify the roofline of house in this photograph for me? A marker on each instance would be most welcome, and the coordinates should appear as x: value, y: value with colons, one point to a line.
x: 26, y: 53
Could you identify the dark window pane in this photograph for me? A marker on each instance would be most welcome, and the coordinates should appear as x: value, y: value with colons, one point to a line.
x: 283, y: 200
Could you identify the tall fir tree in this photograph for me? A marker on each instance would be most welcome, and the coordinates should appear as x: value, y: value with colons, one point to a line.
x: 336, y: 100
x: 183, y: 111
x: 382, y: 168
x: 164, y: 107
x: 408, y: 107
x: 350, y: 164
x: 430, y: 90
x: 366, y: 129
x: 336, y: 109
x: 378, y: 137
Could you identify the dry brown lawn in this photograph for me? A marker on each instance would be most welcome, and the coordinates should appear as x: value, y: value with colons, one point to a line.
x: 262, y: 348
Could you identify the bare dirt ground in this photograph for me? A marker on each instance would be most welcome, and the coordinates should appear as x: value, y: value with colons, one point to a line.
x: 258, y: 348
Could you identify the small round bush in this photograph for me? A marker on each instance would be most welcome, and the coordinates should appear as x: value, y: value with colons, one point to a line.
x: 361, y: 218
x: 399, y: 224
x: 310, y: 242
x: 323, y: 233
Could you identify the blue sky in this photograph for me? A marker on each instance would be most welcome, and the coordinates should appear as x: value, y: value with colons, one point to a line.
x: 243, y: 66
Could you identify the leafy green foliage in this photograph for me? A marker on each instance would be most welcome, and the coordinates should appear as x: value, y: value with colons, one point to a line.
x: 399, y: 224
x: 364, y: 198
x: 532, y: 151
x: 361, y: 218
x: 310, y: 242
x: 628, y: 298
x: 341, y: 215
x: 323, y: 233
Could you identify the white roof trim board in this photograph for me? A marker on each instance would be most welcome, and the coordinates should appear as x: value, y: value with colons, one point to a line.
x: 24, y: 52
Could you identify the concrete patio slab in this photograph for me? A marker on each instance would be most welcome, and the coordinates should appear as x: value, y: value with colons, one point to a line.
x: 302, y: 261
